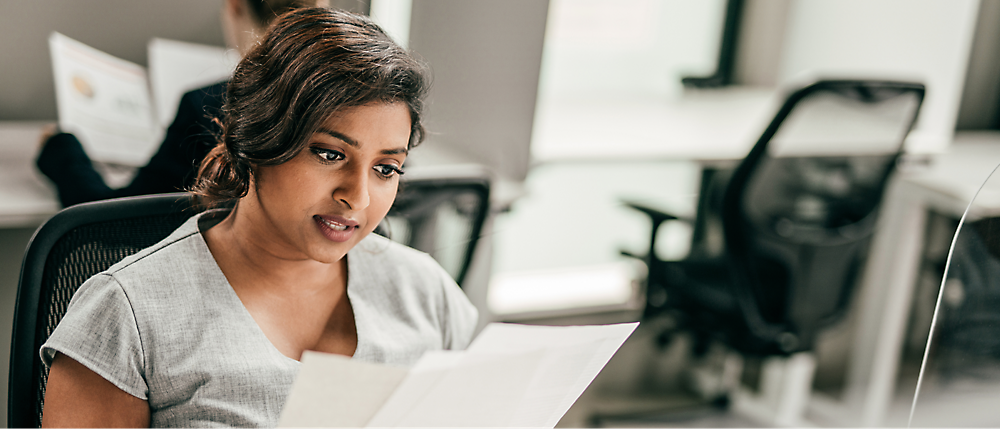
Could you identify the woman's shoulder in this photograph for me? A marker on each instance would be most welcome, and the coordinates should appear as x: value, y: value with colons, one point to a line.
x: 167, y: 244
x: 180, y: 253
x: 403, y: 280
x: 389, y: 265
x: 381, y: 253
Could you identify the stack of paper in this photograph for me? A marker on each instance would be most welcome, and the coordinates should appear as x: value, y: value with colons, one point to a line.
x: 511, y: 375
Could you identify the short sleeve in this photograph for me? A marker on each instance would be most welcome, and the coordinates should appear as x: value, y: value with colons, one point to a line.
x: 460, y: 316
x: 99, y: 331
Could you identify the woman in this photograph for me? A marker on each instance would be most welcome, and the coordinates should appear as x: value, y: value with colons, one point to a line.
x: 206, y: 327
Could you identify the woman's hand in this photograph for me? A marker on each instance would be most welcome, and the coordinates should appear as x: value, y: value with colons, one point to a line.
x: 77, y: 397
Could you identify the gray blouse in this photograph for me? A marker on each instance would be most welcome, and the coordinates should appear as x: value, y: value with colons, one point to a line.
x: 164, y: 325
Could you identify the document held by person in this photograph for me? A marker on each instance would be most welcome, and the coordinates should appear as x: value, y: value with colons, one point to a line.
x: 107, y: 103
x: 511, y: 375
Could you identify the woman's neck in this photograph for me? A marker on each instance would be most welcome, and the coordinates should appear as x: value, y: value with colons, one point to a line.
x: 250, y: 256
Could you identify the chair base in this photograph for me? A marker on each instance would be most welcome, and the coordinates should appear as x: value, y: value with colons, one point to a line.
x: 783, y: 392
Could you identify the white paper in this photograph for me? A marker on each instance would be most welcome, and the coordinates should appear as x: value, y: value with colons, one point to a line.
x: 512, y: 375
x: 177, y: 67
x: 475, y: 390
x: 573, y: 356
x: 334, y: 390
x: 428, y: 371
x: 104, y: 101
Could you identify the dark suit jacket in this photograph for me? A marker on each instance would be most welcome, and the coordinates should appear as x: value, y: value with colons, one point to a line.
x: 171, y: 169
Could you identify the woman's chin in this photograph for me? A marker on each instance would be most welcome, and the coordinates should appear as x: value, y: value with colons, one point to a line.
x: 327, y: 251
x: 327, y: 256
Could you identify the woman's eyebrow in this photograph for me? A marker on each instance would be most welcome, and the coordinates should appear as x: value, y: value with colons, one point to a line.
x: 339, y: 136
x: 353, y: 143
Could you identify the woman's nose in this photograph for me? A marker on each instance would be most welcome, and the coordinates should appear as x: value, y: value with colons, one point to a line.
x: 353, y: 189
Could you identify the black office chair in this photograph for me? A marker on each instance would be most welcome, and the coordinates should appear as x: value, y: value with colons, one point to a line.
x: 797, y: 215
x: 69, y: 248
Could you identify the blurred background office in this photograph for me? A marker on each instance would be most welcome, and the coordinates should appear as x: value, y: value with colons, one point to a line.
x: 575, y: 106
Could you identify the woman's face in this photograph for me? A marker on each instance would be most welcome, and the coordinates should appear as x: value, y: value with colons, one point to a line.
x: 322, y: 202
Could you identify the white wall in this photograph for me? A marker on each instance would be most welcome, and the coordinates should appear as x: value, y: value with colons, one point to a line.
x: 119, y: 27
x: 925, y: 40
x: 600, y: 49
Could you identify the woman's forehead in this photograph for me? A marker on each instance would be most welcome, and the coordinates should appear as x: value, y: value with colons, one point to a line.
x: 378, y: 122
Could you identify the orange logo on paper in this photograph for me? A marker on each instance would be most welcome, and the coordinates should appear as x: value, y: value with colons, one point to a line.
x: 82, y: 86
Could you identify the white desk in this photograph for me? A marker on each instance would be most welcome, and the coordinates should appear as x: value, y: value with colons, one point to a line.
x: 26, y: 197
x: 947, y: 185
x: 702, y: 124
x: 953, y: 179
x: 885, y: 297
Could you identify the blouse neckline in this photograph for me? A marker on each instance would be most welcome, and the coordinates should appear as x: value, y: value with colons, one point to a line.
x: 244, y: 314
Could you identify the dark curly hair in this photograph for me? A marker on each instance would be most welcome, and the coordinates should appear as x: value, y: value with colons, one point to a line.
x: 312, y: 63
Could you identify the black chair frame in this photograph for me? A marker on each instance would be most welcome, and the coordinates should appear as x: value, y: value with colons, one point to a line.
x: 477, y: 184
x: 21, y: 406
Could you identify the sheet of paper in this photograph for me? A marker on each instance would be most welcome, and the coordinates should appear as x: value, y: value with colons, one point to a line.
x: 512, y: 375
x: 426, y: 373
x: 177, y: 67
x: 105, y: 101
x: 475, y: 390
x: 336, y: 391
x: 573, y: 356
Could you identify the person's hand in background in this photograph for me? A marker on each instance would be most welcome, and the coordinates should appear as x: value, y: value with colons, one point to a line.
x: 48, y: 130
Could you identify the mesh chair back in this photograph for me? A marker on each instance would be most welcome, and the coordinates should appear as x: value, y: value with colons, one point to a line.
x: 800, y: 209
x: 74, y: 245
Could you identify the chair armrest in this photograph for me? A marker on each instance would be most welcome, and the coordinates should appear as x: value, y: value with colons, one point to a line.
x: 655, y: 215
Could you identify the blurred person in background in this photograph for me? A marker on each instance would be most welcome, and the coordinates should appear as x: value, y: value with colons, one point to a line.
x: 188, y: 139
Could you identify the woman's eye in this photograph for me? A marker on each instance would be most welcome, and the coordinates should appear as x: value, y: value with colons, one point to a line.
x: 327, y: 154
x: 387, y: 170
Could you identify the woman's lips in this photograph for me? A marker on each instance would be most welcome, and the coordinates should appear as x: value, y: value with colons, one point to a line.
x: 336, y: 228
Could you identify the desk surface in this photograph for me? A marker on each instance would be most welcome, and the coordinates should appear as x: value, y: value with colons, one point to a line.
x: 26, y: 197
x: 958, y: 174
x: 700, y: 124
